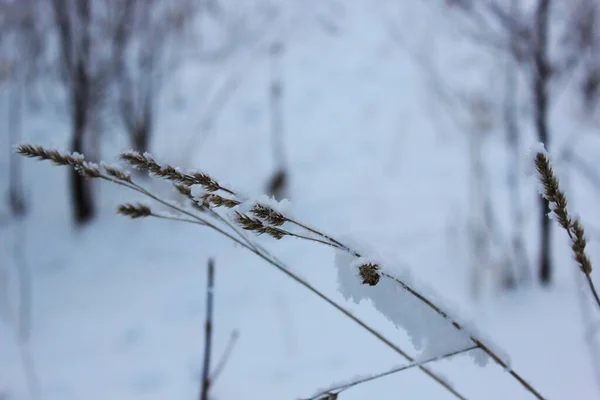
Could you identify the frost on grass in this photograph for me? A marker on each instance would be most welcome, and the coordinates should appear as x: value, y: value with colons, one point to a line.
x: 533, y: 151
x: 538, y: 180
x: 281, y: 206
x: 76, y: 156
x: 429, y: 332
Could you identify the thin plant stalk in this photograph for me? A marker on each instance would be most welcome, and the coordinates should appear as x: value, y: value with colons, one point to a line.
x: 225, y: 357
x: 343, y: 387
x: 147, y: 163
x: 555, y: 196
x: 206, y: 382
x: 125, y: 180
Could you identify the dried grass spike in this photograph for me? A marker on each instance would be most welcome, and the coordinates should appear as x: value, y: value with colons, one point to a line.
x: 370, y: 274
x: 273, y: 232
x: 552, y: 190
x: 89, y: 170
x: 247, y: 223
x: 134, y: 211
x: 184, y: 190
x: 145, y: 162
x: 574, y: 229
x: 137, y: 161
x: 578, y: 247
x: 41, y: 153
x: 209, y: 199
x: 268, y: 214
x: 208, y: 183
x: 117, y: 172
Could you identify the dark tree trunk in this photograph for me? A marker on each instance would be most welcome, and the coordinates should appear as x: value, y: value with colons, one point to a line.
x: 15, y: 115
x: 81, y: 190
x: 278, y: 184
x: 541, y: 83
x: 141, y: 136
x: 141, y: 140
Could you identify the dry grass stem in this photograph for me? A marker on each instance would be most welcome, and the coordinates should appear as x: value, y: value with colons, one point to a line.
x: 145, y: 162
x: 266, y: 221
x: 86, y: 169
x: 268, y: 215
x: 257, y: 226
x: 225, y: 357
x: 210, y: 199
x: 208, y: 331
x: 134, y: 211
x: 41, y: 153
x: 183, y: 190
x: 44, y: 154
x: 333, y: 393
x: 117, y: 173
x: 574, y: 229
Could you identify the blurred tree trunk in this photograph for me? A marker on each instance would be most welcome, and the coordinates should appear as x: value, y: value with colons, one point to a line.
x: 15, y: 116
x: 278, y: 183
x: 141, y: 140
x: 541, y: 82
x: 73, y: 22
x: 81, y: 191
x: 478, y: 232
x: 142, y: 131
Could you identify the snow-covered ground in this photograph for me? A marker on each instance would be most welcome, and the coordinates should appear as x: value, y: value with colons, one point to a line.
x: 118, y: 307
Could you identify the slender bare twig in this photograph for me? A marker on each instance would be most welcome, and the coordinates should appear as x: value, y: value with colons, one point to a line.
x: 206, y: 382
x: 225, y: 357
x: 336, y: 390
x: 170, y: 218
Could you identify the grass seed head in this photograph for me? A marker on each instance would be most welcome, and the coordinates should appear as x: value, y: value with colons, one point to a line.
x: 134, y: 210
x: 268, y: 214
x: 370, y: 274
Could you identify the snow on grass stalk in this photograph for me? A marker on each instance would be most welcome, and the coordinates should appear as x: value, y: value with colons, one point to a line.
x: 368, y: 278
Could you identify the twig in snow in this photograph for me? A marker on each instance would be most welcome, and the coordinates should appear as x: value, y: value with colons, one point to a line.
x: 225, y: 357
x: 279, y: 181
x: 206, y: 381
x: 336, y: 390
